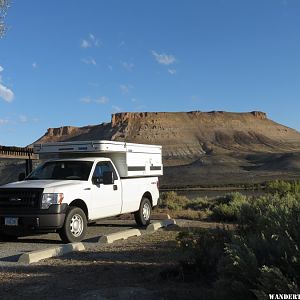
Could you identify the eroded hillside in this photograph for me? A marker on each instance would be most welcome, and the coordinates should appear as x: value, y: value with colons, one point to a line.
x: 186, y: 136
x: 203, y: 148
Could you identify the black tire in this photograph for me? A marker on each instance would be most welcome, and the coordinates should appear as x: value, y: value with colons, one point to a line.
x: 75, y: 226
x: 143, y: 215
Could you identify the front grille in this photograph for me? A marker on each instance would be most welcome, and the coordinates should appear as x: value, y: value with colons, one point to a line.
x: 20, y: 198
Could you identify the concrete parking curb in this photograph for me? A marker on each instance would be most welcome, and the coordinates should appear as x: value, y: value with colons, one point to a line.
x: 160, y: 216
x: 35, y: 256
x: 123, y: 235
x: 156, y: 225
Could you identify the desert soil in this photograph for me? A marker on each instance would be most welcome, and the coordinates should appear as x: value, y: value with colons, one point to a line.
x: 139, y: 268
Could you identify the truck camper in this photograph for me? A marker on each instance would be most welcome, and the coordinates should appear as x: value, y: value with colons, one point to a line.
x: 79, y: 183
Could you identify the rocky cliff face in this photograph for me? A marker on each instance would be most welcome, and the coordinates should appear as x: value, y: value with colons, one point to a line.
x: 185, y: 136
x: 199, y: 148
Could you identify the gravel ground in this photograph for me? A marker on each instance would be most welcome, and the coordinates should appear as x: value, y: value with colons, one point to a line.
x: 11, y: 251
x: 138, y: 268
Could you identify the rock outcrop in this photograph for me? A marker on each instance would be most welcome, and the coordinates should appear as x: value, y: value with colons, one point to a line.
x: 199, y: 148
x: 185, y: 136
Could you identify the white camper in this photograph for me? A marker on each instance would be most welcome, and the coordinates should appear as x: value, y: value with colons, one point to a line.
x: 86, y: 181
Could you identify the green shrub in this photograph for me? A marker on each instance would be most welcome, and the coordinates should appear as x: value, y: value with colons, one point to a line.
x: 229, y: 207
x: 261, y: 256
x: 282, y: 187
x: 172, y: 201
x: 203, y: 249
x: 272, y: 281
x: 199, y: 204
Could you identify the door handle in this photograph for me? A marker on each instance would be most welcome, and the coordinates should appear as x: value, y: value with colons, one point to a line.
x: 115, y: 187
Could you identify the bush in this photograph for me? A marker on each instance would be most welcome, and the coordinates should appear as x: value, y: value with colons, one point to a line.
x: 199, y: 204
x: 203, y: 249
x: 229, y: 207
x: 262, y: 256
x: 283, y: 187
x: 172, y: 201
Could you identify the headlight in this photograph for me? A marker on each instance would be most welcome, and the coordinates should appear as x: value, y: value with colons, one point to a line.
x: 49, y: 199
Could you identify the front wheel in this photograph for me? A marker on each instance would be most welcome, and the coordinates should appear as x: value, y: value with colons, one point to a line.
x: 143, y: 215
x: 75, y: 225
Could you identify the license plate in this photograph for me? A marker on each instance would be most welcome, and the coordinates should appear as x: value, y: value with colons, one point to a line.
x: 11, y: 221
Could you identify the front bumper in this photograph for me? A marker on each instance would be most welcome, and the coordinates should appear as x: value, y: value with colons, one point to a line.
x: 48, y: 220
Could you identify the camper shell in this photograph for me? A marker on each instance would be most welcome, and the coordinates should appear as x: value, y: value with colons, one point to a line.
x: 130, y: 159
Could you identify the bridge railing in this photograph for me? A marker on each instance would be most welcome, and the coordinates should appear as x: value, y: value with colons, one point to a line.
x: 19, y: 153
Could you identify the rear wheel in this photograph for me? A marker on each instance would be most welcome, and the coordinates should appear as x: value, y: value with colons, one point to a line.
x: 143, y: 215
x: 75, y: 225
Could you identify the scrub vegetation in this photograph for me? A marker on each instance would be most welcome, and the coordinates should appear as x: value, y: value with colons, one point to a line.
x: 261, y: 255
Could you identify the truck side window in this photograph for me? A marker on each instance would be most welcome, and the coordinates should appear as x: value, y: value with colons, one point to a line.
x: 104, y: 167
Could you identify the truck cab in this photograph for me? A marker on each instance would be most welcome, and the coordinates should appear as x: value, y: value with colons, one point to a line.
x: 64, y: 194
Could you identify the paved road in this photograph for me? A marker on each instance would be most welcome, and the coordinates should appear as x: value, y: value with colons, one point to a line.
x: 11, y: 251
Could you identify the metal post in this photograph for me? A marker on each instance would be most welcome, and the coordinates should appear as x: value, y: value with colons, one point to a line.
x: 28, y: 164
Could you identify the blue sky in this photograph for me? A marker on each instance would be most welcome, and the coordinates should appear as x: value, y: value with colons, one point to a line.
x: 66, y: 62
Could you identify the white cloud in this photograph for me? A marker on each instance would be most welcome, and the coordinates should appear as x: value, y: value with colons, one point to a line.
x: 3, y: 121
x: 100, y: 100
x: 86, y: 100
x: 172, y: 71
x: 90, y: 42
x: 163, y: 58
x: 125, y: 88
x: 85, y: 44
x: 23, y: 119
x: 6, y: 94
x: 127, y: 66
x: 89, y: 61
x: 116, y: 109
x: 94, y: 40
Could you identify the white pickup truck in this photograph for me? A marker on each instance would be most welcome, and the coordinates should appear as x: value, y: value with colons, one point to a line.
x: 86, y: 181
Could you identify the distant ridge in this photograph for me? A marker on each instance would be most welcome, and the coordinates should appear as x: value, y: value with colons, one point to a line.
x: 188, y: 135
x: 214, y: 148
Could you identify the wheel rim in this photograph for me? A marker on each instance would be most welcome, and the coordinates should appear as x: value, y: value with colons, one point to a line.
x: 76, y: 225
x: 146, y: 211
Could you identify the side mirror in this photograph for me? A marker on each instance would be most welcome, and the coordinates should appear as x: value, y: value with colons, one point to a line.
x: 21, y: 176
x: 108, y: 177
x: 96, y: 180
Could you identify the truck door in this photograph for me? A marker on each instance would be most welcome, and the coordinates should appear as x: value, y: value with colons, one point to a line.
x: 106, y: 198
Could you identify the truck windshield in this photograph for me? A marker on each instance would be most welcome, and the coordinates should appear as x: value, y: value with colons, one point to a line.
x: 62, y: 170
